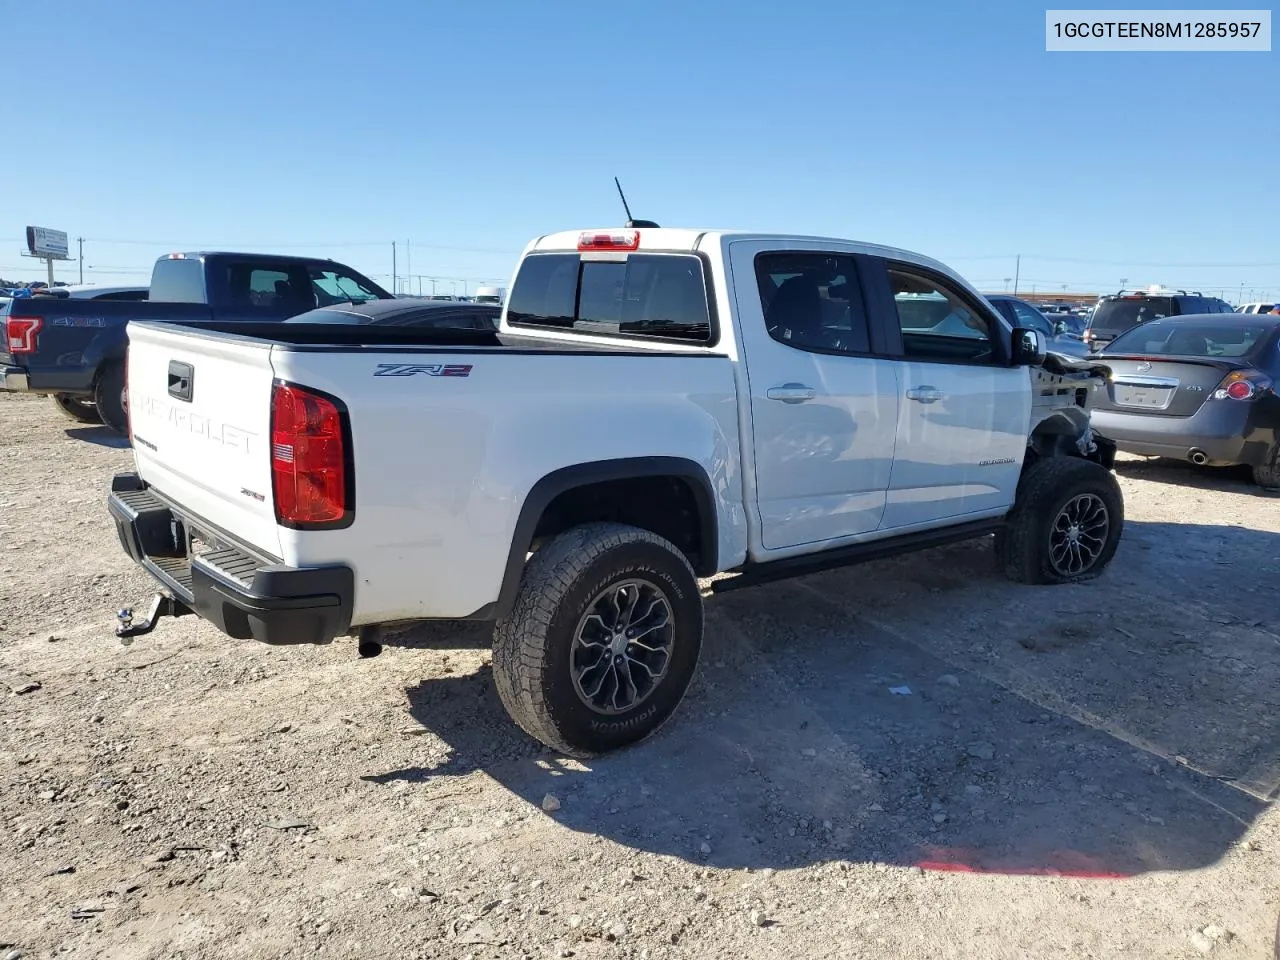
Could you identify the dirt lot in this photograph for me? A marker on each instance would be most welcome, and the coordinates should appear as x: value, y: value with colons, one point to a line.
x: 1076, y: 772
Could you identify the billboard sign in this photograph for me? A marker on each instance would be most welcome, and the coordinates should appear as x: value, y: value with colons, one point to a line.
x: 43, y: 242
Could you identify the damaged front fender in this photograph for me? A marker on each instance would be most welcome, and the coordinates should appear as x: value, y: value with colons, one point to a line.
x: 1062, y: 390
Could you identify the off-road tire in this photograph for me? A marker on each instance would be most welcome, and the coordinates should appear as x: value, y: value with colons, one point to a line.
x: 79, y: 409
x: 532, y: 645
x: 108, y: 396
x: 1023, y: 546
x: 1267, y: 475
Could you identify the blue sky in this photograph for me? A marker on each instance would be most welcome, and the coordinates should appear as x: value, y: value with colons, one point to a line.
x: 467, y: 128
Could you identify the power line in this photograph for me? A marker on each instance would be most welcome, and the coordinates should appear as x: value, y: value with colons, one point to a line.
x: 311, y: 245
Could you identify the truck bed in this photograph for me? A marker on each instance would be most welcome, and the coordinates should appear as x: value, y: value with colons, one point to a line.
x: 321, y: 337
x: 76, y: 336
x: 443, y: 441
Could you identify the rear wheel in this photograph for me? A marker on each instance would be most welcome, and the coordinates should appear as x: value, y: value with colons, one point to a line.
x: 1065, y: 524
x: 108, y: 396
x: 603, y: 639
x: 1267, y: 475
x: 79, y: 409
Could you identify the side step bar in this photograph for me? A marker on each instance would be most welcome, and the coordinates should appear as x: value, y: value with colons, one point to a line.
x: 758, y: 573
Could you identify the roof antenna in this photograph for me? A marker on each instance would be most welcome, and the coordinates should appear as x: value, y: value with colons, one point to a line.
x: 630, y: 222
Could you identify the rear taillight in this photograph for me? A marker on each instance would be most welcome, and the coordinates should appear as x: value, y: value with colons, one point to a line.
x: 310, y: 458
x: 20, y: 333
x: 1242, y: 385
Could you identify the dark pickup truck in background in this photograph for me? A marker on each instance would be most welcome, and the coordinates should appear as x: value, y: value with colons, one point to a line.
x: 75, y: 348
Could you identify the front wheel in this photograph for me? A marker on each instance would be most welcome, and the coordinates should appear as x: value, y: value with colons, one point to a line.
x: 1065, y: 524
x: 108, y: 396
x: 79, y: 409
x: 603, y: 639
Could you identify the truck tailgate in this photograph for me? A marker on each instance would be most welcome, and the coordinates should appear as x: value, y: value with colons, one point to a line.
x: 199, y: 411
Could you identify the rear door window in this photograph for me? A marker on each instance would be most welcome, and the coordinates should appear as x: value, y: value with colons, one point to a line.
x: 813, y: 301
x: 1032, y: 318
x: 645, y: 296
x: 276, y: 288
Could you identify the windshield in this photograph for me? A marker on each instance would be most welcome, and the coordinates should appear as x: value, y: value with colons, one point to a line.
x: 1117, y: 316
x: 334, y: 287
x: 1223, y: 339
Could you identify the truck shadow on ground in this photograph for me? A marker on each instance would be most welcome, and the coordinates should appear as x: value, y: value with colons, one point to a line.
x: 1041, y: 734
x: 99, y: 436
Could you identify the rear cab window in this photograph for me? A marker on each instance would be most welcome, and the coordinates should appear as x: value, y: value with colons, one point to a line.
x: 1113, y: 317
x: 178, y: 280
x: 645, y: 296
x: 1218, y: 339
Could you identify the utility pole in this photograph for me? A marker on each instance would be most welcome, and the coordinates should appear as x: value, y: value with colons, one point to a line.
x: 1123, y: 281
x: 1017, y: 272
x: 393, y: 268
x: 80, y: 240
x: 1007, y: 281
x: 408, y: 267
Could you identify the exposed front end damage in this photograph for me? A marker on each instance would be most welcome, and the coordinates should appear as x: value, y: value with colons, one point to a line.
x: 1061, y: 393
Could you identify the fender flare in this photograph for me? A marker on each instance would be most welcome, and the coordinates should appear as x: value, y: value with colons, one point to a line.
x: 569, y: 478
x: 105, y: 349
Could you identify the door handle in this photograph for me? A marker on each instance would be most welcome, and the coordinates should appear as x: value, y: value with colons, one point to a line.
x: 791, y: 393
x: 926, y: 394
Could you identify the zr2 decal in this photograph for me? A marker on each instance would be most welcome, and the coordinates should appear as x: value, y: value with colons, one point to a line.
x: 430, y: 369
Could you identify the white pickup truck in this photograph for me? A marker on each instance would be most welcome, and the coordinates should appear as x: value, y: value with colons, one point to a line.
x: 658, y: 405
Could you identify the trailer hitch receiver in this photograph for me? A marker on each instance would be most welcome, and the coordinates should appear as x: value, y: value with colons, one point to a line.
x: 162, y: 605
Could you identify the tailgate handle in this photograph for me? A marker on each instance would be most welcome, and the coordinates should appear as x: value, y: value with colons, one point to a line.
x: 181, y: 376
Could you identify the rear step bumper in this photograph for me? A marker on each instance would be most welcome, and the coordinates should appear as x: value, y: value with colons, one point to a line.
x: 13, y: 379
x: 243, y: 596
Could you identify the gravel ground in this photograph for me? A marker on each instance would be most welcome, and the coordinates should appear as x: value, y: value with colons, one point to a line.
x: 912, y: 758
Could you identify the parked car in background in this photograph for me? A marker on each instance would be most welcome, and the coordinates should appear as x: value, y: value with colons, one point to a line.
x: 1256, y: 307
x: 81, y: 408
x: 657, y: 405
x: 1199, y: 388
x: 1059, y: 331
x: 404, y: 312
x: 1113, y: 315
x: 74, y: 347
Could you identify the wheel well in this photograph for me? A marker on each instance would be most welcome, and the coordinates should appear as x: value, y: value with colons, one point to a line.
x: 666, y: 505
x: 1059, y: 435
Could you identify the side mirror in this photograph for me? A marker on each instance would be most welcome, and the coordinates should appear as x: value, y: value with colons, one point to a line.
x: 1060, y: 327
x: 1028, y: 347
